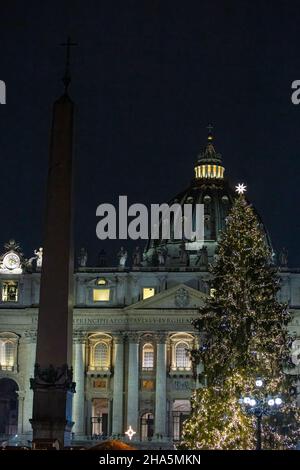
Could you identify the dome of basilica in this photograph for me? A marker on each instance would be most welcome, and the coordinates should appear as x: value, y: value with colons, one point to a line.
x: 210, y: 188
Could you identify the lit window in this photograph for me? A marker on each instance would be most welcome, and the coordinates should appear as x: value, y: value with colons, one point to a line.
x: 182, y: 356
x: 148, y: 356
x: 7, y: 353
x: 101, y: 282
x: 101, y: 355
x: 10, y: 291
x: 148, y: 292
x: 209, y: 171
x: 101, y: 295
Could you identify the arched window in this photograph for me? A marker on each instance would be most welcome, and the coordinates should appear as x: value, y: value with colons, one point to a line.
x: 8, y: 407
x: 7, y: 354
x: 182, y: 356
x: 148, y: 356
x: 101, y: 358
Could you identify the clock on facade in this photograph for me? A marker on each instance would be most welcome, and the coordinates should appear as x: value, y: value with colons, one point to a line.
x: 11, y: 261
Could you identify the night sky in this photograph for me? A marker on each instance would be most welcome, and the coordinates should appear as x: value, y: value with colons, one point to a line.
x: 147, y: 78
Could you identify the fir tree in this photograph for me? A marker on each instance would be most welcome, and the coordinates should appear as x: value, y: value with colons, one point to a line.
x: 244, y: 336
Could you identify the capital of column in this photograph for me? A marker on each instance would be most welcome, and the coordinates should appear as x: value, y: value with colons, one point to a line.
x: 134, y: 280
x: 133, y: 336
x: 119, y: 337
x: 80, y: 280
x: 120, y: 279
x: 79, y: 337
x: 161, y: 337
x: 29, y: 336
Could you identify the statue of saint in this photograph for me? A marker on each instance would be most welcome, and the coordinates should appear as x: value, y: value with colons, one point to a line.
x: 39, y: 257
x: 184, y: 258
x: 162, y: 254
x: 122, y: 257
x: 82, y: 258
x: 283, y: 257
x: 202, y: 259
x: 136, y: 257
x: 154, y: 257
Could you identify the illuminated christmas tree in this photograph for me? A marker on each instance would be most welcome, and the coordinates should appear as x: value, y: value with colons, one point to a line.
x: 244, y: 335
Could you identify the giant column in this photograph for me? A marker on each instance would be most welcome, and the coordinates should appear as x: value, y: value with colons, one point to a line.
x: 52, y: 384
x: 133, y: 382
x: 118, y: 393
x: 29, y: 344
x: 79, y: 376
x: 161, y: 387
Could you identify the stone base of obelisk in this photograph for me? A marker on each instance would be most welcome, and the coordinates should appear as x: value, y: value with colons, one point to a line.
x: 50, y: 420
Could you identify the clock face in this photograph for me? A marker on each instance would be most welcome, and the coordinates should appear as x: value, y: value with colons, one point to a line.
x: 11, y: 261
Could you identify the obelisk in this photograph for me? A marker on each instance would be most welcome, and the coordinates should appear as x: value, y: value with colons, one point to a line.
x: 52, y: 383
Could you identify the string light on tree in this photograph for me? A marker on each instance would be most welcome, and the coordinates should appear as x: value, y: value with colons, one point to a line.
x: 130, y: 433
x: 241, y: 188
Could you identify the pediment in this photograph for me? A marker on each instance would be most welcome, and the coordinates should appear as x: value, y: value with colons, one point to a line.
x: 178, y: 297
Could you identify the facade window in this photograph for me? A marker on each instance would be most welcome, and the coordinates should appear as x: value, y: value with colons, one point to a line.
x: 101, y: 295
x: 181, y: 411
x: 148, y: 292
x: 101, y: 282
x: 10, y: 291
x: 182, y: 357
x: 101, y: 356
x: 7, y: 354
x: 181, y: 344
x: 147, y: 426
x: 148, y: 357
x: 100, y: 417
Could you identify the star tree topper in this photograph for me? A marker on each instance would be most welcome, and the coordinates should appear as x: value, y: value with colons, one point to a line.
x: 241, y: 188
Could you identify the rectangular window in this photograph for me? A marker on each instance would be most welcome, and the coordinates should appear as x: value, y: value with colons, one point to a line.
x: 148, y: 292
x: 148, y: 362
x: 101, y: 295
x: 10, y: 291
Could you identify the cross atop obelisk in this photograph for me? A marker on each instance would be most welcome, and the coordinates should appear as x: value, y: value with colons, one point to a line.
x: 67, y: 76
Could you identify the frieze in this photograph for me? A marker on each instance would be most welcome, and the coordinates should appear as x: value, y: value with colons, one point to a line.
x: 83, y: 320
x: 89, y: 321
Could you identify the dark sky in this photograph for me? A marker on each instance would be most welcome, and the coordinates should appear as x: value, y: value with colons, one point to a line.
x: 148, y: 76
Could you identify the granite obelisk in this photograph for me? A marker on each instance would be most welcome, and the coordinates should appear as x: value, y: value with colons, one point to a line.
x: 52, y: 383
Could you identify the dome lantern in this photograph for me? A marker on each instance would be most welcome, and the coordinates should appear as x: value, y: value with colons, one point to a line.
x: 209, y: 164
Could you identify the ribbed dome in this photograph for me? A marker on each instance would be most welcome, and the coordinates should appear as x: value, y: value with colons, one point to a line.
x: 210, y: 188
